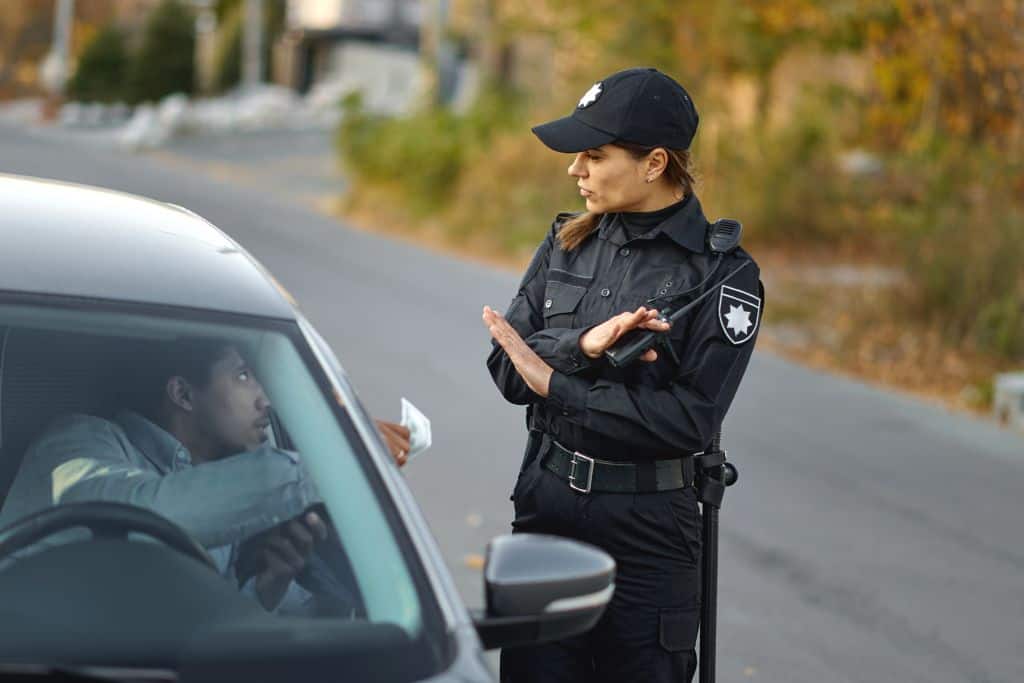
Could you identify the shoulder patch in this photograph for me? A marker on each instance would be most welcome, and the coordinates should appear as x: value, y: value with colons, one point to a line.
x: 739, y: 314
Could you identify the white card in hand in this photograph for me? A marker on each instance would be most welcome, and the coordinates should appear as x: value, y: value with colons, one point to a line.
x: 418, y: 426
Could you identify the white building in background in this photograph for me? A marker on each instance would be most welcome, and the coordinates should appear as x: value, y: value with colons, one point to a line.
x: 329, y: 14
x: 342, y: 45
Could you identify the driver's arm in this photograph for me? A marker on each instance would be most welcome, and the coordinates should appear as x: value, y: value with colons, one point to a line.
x: 217, y: 503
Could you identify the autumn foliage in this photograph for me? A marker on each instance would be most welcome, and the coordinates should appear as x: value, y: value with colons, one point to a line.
x: 893, y: 129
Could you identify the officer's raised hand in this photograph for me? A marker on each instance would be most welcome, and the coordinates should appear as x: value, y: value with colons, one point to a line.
x: 600, y: 338
x: 531, y: 367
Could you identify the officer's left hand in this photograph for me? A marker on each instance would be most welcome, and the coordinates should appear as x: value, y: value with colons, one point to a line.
x: 531, y: 367
x: 600, y: 338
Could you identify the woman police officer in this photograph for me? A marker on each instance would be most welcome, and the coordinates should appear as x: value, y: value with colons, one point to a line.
x: 609, y: 456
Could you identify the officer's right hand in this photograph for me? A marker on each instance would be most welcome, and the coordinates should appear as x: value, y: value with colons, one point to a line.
x: 600, y: 338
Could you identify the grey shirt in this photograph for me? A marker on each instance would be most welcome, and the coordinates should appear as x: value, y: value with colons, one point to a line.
x: 131, y: 460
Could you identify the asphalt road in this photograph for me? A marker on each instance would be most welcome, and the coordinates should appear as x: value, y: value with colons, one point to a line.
x: 872, y: 537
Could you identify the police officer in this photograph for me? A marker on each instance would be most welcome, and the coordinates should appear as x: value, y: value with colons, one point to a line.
x: 609, y: 458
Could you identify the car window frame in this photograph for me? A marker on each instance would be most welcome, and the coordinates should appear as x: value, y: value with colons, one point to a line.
x: 437, y: 609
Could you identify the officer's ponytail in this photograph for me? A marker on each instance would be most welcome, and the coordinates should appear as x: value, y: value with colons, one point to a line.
x: 678, y: 172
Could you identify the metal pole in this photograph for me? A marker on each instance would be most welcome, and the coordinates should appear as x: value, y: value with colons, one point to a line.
x: 252, y: 44
x: 709, y: 585
x: 55, y: 67
x: 442, y: 63
x: 206, y: 35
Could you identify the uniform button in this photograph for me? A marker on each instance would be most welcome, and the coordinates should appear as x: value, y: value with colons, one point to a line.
x: 565, y: 413
x: 606, y: 292
x: 668, y: 284
x: 664, y: 291
x: 624, y: 251
x: 547, y: 304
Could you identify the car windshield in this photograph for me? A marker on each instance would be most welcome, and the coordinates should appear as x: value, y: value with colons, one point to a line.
x: 95, y: 418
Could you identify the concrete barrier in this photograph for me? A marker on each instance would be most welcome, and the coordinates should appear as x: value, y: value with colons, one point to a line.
x: 1008, y: 404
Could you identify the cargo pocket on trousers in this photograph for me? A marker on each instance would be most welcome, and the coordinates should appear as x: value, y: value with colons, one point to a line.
x: 677, y: 628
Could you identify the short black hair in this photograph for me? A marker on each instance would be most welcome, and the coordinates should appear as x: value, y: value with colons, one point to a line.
x: 190, y: 357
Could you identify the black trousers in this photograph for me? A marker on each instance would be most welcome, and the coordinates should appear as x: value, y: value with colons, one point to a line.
x: 649, y: 631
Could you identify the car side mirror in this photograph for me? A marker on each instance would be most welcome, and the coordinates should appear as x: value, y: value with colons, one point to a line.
x: 542, y: 588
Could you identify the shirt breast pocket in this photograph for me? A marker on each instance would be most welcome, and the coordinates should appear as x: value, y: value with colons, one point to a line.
x: 561, y: 300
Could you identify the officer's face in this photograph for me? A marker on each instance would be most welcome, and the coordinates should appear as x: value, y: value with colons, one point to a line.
x: 611, y: 179
x: 232, y: 411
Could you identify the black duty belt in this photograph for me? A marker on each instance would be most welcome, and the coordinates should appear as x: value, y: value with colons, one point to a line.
x: 585, y: 474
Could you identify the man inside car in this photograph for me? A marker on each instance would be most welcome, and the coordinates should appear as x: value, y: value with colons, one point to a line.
x: 194, y: 450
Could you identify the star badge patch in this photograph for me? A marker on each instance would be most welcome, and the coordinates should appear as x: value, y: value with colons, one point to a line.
x: 739, y: 313
x: 590, y: 96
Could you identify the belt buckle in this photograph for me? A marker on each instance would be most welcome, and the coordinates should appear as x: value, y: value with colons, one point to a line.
x: 576, y: 458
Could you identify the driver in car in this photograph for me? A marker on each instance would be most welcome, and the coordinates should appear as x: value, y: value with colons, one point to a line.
x: 194, y: 451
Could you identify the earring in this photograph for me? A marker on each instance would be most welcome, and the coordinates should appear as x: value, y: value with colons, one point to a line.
x: 650, y: 179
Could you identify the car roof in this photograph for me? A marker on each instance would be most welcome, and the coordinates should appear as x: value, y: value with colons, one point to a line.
x: 74, y: 240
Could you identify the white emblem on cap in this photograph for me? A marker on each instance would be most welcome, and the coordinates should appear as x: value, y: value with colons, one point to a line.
x: 590, y: 96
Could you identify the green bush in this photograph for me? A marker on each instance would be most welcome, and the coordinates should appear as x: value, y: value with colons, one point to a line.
x: 100, y: 75
x: 424, y: 154
x: 164, y: 63
x: 783, y: 184
x: 787, y: 184
x: 965, y: 247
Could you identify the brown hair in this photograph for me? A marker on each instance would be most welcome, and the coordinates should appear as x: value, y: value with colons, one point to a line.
x: 678, y: 171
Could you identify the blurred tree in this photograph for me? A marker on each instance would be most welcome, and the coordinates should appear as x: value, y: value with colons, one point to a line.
x: 25, y: 29
x: 929, y: 92
x: 228, y: 52
x: 691, y: 39
x: 950, y: 69
x: 164, y: 62
x: 102, y: 68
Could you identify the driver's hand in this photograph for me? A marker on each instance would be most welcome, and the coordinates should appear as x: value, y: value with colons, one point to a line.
x: 397, y: 439
x: 283, y: 553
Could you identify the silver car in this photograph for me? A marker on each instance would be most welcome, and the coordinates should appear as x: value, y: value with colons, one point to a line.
x: 90, y: 280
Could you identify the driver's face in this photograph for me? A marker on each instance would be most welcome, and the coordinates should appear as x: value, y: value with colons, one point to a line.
x: 233, y: 411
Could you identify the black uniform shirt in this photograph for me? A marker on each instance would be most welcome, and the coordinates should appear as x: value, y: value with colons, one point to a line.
x: 645, y: 410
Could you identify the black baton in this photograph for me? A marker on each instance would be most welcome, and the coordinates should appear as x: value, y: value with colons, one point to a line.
x: 714, y: 474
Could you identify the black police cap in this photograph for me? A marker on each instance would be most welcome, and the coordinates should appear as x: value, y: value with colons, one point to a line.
x: 642, y: 106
